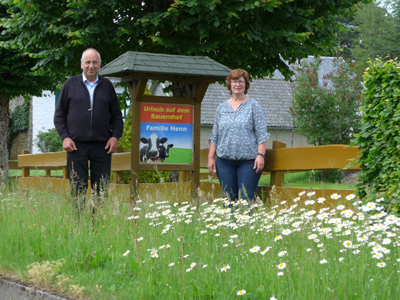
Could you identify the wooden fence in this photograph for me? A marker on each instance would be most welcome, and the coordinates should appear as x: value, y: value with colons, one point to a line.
x: 278, y: 161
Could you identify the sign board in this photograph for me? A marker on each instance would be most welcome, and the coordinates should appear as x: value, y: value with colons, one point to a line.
x: 166, y: 133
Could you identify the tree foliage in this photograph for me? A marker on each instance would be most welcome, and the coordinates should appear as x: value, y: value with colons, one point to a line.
x: 346, y: 37
x: 16, y: 79
x: 237, y: 33
x: 377, y: 32
x: 16, y: 76
x: 327, y: 111
x: 379, y: 137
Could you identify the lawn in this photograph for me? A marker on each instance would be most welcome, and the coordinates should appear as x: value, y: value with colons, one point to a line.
x: 299, y: 179
x: 160, y: 249
x: 179, y: 156
x: 302, y: 180
x: 17, y: 173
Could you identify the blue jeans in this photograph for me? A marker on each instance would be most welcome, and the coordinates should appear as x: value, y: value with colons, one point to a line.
x: 238, y: 178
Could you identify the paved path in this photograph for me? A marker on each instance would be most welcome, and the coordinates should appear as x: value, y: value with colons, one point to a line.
x: 10, y: 290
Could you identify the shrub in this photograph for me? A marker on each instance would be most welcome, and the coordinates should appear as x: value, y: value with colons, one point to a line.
x: 334, y: 175
x: 380, y: 133
x: 327, y: 111
x: 329, y: 175
x: 49, y: 141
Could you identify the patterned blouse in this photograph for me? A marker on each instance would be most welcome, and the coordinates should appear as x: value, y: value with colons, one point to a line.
x: 237, y: 134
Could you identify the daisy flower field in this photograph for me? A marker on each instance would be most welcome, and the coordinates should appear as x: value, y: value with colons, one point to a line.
x: 157, y: 248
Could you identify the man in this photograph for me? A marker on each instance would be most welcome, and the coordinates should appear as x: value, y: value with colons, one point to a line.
x: 89, y: 121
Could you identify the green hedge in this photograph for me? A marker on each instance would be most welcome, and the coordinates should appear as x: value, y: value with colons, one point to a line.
x: 380, y: 133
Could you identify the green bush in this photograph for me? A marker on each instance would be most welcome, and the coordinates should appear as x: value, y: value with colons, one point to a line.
x: 379, y: 138
x: 125, y: 143
x: 49, y: 141
x: 334, y: 175
x: 327, y: 175
x: 327, y: 111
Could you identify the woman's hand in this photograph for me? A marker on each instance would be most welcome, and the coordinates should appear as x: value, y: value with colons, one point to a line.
x: 212, y: 167
x: 259, y: 164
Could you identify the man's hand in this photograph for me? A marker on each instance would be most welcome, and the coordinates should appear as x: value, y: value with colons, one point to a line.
x: 112, y: 145
x: 69, y: 145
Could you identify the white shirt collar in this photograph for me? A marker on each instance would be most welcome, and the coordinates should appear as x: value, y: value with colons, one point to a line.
x: 84, y: 78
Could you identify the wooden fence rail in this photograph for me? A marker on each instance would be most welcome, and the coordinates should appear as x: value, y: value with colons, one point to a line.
x: 278, y: 161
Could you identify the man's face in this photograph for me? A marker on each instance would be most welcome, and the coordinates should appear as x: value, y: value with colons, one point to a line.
x: 90, y: 65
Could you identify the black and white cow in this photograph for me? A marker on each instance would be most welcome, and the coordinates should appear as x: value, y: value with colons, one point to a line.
x: 150, y: 151
x: 164, y: 151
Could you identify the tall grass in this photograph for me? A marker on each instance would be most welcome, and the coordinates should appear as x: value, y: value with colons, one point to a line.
x: 159, y: 249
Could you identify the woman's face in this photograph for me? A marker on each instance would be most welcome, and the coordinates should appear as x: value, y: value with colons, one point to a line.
x: 238, y: 86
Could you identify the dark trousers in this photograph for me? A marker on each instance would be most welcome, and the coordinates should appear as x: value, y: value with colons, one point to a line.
x: 238, y: 178
x: 78, y: 167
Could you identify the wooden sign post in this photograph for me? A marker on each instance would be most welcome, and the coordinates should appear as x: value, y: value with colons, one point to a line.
x: 192, y: 74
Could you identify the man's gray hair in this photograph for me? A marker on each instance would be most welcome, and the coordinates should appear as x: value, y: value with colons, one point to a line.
x: 90, y: 49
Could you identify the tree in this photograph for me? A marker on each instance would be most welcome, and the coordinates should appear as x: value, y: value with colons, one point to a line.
x: 328, y: 111
x: 377, y: 31
x: 16, y: 79
x: 346, y: 37
x: 254, y: 35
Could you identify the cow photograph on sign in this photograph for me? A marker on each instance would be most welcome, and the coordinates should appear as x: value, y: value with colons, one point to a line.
x: 164, y: 151
x: 153, y: 150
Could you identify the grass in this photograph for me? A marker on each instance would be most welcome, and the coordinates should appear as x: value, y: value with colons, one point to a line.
x: 179, y: 156
x: 299, y: 179
x: 18, y: 173
x: 158, y: 249
x: 302, y: 180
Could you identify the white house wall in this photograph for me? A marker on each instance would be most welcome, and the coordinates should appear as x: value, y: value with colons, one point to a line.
x: 42, y: 115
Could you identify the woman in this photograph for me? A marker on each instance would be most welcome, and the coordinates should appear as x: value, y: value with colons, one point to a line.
x: 239, y: 137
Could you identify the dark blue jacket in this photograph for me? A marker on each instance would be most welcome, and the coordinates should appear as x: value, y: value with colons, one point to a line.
x: 75, y: 119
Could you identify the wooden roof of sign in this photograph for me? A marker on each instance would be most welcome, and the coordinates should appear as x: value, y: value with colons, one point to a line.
x: 156, y: 66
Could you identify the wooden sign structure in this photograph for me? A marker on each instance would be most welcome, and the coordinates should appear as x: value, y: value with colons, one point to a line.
x: 192, y: 73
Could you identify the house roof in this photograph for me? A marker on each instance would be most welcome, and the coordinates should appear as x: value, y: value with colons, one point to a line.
x: 326, y: 67
x: 274, y: 96
x: 158, y: 66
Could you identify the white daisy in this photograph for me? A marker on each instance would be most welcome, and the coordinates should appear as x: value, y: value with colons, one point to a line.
x: 281, y: 266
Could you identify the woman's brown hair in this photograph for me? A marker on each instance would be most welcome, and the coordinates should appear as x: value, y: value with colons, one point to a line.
x: 236, y: 74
